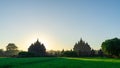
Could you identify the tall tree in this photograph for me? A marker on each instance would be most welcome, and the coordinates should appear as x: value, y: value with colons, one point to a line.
x: 92, y: 52
x: 11, y: 46
x: 37, y: 49
x: 11, y: 50
x: 1, y: 52
x: 100, y: 53
x: 111, y: 47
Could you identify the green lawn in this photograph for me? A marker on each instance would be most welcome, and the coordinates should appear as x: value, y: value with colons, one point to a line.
x: 59, y: 62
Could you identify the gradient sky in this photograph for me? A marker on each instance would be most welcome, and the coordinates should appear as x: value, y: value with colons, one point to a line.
x: 58, y: 23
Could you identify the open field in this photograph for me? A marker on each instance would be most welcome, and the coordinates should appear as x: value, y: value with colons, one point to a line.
x: 54, y: 62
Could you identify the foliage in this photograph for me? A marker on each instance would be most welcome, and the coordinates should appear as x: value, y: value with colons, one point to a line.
x: 11, y: 46
x: 81, y: 49
x: 11, y: 50
x: 69, y: 54
x: 92, y: 52
x: 25, y: 54
x: 111, y: 47
x: 53, y: 53
x: 1, y: 52
x: 100, y: 53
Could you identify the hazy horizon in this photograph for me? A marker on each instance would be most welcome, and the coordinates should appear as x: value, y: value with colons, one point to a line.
x: 59, y: 24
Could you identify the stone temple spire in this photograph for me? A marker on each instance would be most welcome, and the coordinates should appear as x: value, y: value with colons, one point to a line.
x: 37, y: 39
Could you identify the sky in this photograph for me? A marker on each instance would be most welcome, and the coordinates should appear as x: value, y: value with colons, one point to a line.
x: 59, y: 24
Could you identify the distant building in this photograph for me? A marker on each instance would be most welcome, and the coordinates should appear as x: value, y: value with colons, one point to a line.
x: 38, y: 49
x: 82, y: 48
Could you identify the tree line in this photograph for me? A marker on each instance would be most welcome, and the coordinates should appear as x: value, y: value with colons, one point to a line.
x: 11, y: 51
x: 109, y: 48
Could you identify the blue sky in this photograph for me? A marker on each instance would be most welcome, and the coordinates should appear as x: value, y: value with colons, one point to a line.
x: 58, y: 23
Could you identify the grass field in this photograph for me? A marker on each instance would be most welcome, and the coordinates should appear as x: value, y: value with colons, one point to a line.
x: 59, y: 63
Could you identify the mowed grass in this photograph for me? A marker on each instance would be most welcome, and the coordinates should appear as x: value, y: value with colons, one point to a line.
x: 54, y: 62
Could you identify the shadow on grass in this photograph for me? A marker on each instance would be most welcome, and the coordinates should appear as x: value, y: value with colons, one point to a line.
x: 27, y: 63
x: 6, y: 66
x: 68, y: 63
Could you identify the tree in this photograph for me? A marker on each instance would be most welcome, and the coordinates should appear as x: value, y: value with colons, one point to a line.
x: 25, y: 54
x: 111, y: 47
x: 69, y: 53
x: 82, y: 48
x: 1, y: 52
x: 53, y: 53
x: 37, y: 49
x: 11, y: 46
x: 100, y: 53
x: 11, y: 50
x: 50, y: 53
x: 92, y: 52
x: 62, y: 51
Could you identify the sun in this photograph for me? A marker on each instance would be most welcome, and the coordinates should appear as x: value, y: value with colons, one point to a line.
x: 44, y: 39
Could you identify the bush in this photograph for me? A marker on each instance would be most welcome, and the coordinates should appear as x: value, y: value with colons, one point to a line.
x: 26, y: 54
x: 69, y: 54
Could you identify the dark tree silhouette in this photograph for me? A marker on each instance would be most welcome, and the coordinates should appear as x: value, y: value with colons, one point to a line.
x: 53, y: 53
x: 62, y: 51
x: 37, y: 49
x: 111, y: 47
x: 25, y: 54
x: 69, y: 53
x: 1, y: 52
x: 92, y: 52
x: 11, y: 46
x: 11, y: 50
x: 100, y: 53
x: 82, y: 48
